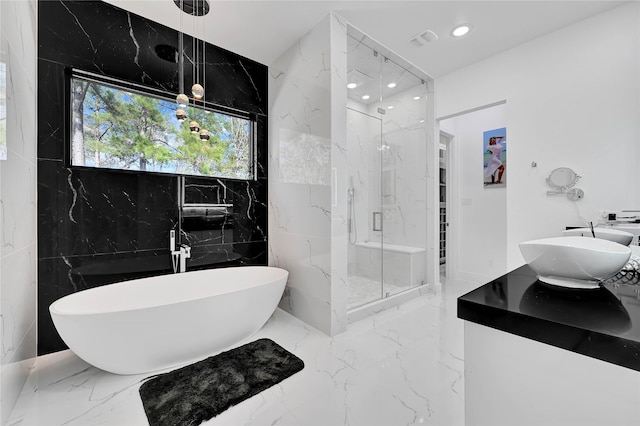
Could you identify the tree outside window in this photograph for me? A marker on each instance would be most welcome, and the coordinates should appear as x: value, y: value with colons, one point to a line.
x: 117, y: 129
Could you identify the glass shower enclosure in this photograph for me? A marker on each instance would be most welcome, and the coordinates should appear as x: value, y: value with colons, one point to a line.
x: 387, y: 172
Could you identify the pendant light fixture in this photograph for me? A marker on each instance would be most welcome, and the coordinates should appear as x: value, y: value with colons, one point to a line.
x: 194, y: 127
x: 181, y: 115
x: 182, y: 100
x: 205, y: 135
x: 196, y: 89
x: 195, y: 8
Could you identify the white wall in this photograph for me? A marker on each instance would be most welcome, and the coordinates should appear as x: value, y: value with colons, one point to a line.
x: 18, y: 201
x: 307, y: 160
x: 573, y: 99
x: 479, y: 243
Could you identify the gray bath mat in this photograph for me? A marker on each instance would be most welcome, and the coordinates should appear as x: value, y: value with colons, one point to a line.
x: 196, y: 393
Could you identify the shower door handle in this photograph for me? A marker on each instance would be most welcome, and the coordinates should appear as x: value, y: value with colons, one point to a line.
x: 377, y: 221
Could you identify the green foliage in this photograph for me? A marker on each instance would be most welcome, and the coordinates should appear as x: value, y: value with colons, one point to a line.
x: 131, y: 131
x: 125, y: 130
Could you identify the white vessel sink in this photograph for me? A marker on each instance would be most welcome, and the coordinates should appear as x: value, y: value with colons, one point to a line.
x: 615, y: 235
x: 629, y: 227
x: 574, y: 262
x: 632, y: 228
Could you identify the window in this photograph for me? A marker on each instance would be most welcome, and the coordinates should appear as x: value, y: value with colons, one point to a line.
x: 118, y: 128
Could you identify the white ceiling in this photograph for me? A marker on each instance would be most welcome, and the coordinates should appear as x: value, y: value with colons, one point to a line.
x: 262, y: 29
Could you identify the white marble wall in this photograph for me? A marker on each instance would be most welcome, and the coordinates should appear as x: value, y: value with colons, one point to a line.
x: 18, y: 201
x: 339, y: 164
x: 306, y: 160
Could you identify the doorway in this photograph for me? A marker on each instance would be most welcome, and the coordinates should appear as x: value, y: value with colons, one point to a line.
x: 445, y: 141
x: 475, y: 215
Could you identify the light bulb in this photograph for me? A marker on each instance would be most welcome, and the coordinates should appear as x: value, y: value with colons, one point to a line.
x: 204, y: 135
x: 198, y: 91
x: 182, y: 100
x: 181, y: 115
x: 352, y: 85
x: 194, y: 127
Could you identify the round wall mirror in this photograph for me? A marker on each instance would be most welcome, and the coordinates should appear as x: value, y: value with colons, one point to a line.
x: 562, y: 178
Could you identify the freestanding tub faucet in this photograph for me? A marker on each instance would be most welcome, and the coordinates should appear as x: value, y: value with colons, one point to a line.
x: 178, y: 257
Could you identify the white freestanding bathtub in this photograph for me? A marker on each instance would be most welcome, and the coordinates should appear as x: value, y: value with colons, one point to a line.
x: 152, y: 323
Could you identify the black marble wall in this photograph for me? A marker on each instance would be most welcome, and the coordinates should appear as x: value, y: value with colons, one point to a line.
x: 101, y: 226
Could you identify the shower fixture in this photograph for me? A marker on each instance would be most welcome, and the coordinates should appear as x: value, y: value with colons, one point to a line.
x: 352, y: 229
x: 178, y: 251
x: 193, y: 7
x: 178, y: 257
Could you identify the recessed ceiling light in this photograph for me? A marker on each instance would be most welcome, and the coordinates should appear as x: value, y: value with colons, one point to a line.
x: 415, y: 98
x: 365, y: 97
x: 390, y: 107
x: 391, y: 85
x: 422, y: 121
x: 352, y: 85
x: 461, y: 30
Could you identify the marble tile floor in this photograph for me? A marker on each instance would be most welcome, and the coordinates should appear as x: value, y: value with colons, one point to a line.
x: 403, y: 366
x: 361, y: 290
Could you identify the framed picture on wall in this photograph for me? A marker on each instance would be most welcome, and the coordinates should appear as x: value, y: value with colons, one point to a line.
x: 495, y: 158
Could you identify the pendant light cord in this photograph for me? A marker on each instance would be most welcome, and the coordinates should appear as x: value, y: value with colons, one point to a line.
x: 204, y: 56
x: 181, y: 53
x: 195, y: 41
x: 193, y: 58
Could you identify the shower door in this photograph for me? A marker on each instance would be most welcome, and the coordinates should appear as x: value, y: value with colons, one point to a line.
x: 386, y: 156
x: 364, y: 220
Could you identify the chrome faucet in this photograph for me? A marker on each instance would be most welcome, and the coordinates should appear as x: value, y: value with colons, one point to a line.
x: 178, y: 257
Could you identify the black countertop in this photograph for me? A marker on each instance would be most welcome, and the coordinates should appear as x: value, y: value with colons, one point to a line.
x: 602, y: 323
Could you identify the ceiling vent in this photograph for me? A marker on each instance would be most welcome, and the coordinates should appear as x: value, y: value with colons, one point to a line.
x: 423, y: 39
